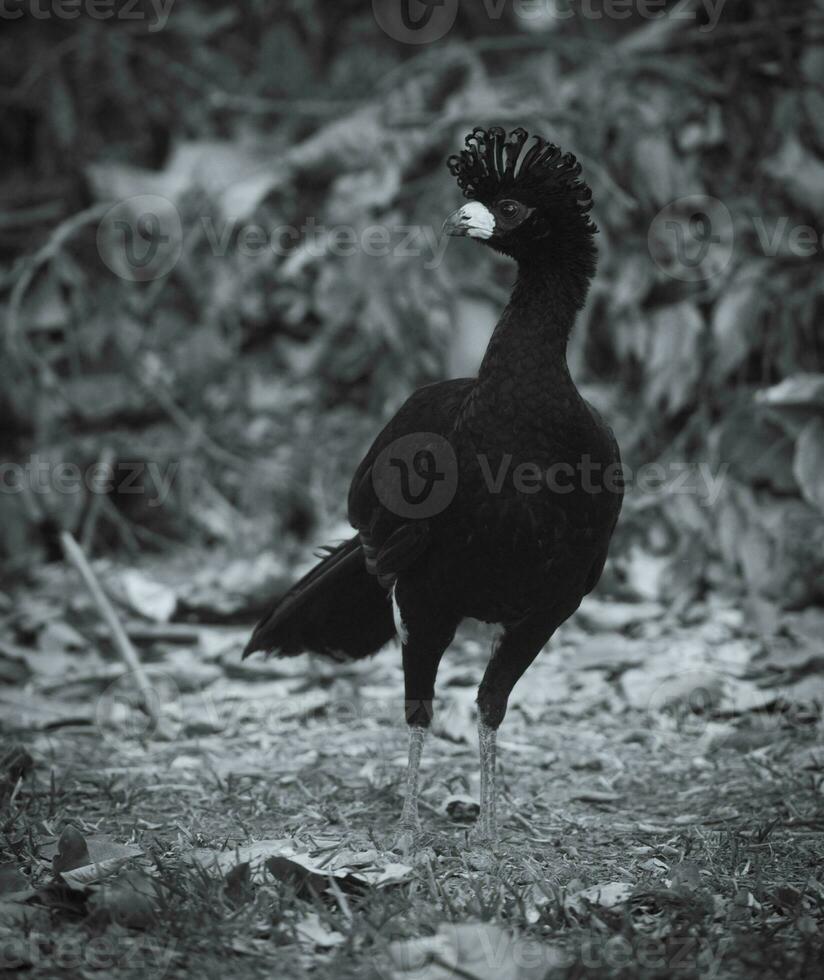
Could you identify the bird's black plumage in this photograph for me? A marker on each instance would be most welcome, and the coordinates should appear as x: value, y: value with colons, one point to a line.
x: 530, y: 487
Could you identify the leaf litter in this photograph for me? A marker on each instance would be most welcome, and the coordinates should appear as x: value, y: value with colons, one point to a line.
x: 655, y: 771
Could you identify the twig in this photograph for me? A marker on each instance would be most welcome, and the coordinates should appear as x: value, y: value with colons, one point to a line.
x: 74, y: 554
x: 61, y: 234
x: 160, y: 633
x: 25, y: 217
x: 103, y: 474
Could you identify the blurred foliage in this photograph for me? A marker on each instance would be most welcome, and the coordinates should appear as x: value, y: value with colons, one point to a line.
x: 262, y: 375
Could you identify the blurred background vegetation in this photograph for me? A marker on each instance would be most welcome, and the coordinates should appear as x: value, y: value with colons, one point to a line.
x: 258, y: 378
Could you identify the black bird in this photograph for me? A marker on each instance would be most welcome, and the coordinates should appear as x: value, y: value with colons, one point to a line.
x: 494, y: 497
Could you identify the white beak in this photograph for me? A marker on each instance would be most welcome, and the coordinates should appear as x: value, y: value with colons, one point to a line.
x: 473, y: 219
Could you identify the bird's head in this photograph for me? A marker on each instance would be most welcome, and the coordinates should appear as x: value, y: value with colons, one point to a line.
x: 525, y: 200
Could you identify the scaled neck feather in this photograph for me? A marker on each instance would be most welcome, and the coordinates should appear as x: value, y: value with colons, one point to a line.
x: 531, y: 336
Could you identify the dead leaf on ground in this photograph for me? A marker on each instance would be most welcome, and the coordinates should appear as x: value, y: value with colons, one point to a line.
x: 307, y: 871
x: 601, y: 616
x: 82, y: 861
x: 72, y: 851
x: 596, y: 796
x: 612, y: 653
x: 604, y: 896
x: 455, y: 718
x: 312, y: 933
x: 461, y: 809
x: 656, y: 688
x: 472, y: 949
x: 22, y: 712
x: 58, y: 635
x: 150, y: 599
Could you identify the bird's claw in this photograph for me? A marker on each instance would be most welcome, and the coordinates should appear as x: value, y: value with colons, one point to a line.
x: 484, y: 833
x: 407, y: 833
x: 405, y: 841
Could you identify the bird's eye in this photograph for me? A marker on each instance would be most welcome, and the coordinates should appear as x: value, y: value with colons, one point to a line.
x: 509, y: 208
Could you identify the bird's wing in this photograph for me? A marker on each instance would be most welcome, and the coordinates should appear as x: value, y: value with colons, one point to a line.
x: 394, y: 536
x: 617, y: 499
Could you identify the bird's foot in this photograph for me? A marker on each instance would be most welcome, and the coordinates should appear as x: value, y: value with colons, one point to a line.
x: 407, y: 834
x: 485, y: 831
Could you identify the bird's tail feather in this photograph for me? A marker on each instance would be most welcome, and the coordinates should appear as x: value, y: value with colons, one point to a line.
x: 337, y: 609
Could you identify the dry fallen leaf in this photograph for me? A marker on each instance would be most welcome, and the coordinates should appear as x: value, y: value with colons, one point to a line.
x: 461, y: 809
x: 287, y: 861
x: 471, y: 949
x: 72, y: 851
x: 82, y: 861
x: 599, y: 615
x: 150, y: 599
x: 596, y: 796
x: 605, y: 896
x: 312, y: 933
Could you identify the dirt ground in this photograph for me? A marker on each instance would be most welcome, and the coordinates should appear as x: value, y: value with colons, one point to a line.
x: 663, y: 810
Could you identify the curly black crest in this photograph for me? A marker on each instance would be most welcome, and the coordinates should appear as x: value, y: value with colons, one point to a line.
x: 494, y: 162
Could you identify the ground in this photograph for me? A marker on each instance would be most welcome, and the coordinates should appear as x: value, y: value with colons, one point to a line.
x: 663, y: 808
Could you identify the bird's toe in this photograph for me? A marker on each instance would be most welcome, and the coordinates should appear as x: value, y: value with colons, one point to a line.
x: 484, y: 833
x: 406, y: 837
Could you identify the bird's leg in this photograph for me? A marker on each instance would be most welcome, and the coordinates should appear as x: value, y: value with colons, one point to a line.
x: 409, y: 815
x: 425, y: 637
x: 487, y: 820
x: 512, y: 654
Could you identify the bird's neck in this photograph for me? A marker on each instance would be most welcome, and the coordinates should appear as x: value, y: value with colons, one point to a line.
x: 529, y: 343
